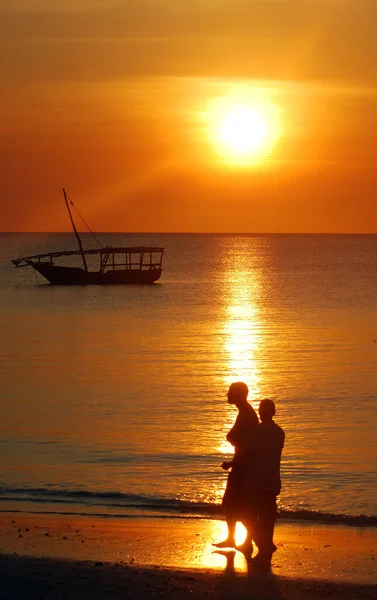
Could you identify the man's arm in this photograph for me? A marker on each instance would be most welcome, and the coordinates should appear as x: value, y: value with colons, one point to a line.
x: 241, y: 459
x: 226, y: 465
x: 233, y: 434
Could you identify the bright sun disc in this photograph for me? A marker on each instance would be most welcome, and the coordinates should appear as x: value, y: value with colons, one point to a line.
x: 243, y: 127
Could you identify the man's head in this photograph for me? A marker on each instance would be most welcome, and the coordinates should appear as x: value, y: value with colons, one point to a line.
x: 266, y: 409
x: 237, y: 393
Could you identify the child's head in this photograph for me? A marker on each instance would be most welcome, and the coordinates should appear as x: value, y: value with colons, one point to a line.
x: 266, y: 409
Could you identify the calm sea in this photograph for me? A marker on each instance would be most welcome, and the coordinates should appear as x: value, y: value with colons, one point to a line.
x: 114, y: 398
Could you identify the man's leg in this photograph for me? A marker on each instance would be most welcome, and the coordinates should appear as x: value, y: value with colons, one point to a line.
x: 248, y: 519
x: 230, y: 540
x: 247, y: 547
x: 230, y: 510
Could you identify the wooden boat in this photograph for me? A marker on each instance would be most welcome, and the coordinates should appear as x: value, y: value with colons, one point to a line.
x: 117, y: 266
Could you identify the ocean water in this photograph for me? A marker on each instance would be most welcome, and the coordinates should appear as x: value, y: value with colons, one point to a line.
x: 113, y: 399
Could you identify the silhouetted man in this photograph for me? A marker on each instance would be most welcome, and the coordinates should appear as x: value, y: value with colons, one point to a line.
x: 238, y: 436
x: 263, y: 484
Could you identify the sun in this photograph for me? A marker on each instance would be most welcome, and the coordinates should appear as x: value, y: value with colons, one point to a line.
x: 243, y: 126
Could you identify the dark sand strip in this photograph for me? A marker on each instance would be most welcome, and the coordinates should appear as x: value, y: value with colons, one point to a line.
x: 24, y: 578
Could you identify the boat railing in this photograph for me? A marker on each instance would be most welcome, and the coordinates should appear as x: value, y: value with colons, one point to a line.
x: 130, y: 258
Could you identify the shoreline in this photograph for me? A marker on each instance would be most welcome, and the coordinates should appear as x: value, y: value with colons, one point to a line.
x: 174, y: 558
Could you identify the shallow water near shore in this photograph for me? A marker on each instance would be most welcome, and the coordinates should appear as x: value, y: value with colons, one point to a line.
x: 114, y: 399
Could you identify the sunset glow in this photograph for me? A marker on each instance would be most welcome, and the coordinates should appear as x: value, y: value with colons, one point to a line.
x: 213, y: 117
x: 243, y: 126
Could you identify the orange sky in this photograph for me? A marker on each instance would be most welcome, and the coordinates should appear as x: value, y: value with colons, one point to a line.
x: 109, y: 99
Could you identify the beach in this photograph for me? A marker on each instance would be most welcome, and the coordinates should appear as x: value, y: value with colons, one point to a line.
x: 50, y: 556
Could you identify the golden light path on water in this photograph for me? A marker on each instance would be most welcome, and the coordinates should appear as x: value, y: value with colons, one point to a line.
x: 242, y: 327
x: 241, y: 333
x: 242, y: 341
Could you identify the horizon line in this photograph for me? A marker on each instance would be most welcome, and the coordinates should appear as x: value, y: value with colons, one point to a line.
x: 255, y: 233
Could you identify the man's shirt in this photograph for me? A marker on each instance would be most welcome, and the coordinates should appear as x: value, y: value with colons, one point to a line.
x: 246, y: 422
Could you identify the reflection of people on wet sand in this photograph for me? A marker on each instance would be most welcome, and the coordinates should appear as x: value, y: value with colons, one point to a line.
x: 263, y: 484
x: 238, y: 436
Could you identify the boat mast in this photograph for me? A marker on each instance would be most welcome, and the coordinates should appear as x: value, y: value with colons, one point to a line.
x: 75, y: 230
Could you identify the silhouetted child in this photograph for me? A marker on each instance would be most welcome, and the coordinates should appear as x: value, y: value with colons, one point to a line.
x: 262, y: 457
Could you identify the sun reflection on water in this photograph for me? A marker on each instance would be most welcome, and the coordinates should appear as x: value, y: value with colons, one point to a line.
x: 242, y: 328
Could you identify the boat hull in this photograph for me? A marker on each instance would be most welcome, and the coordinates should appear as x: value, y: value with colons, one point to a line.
x: 57, y: 275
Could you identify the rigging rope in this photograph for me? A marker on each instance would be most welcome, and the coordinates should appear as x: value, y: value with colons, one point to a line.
x: 85, y: 223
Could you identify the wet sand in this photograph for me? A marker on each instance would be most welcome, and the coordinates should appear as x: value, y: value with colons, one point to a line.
x: 73, y: 557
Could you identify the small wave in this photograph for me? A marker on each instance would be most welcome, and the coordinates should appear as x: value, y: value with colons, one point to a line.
x: 146, y: 505
x: 325, y: 517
